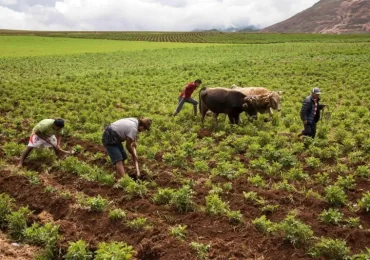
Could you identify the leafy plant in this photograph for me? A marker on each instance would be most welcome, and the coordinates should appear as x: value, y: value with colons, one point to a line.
x: 296, y: 174
x: 347, y: 182
x: 95, y: 204
x: 313, y: 162
x: 182, y: 199
x: 215, y: 206
x: 78, y: 251
x: 5, y: 208
x: 13, y: 149
x: 137, y: 224
x: 362, y: 256
x: 32, y: 176
x: 322, y: 178
x: 257, y: 181
x: 114, y: 250
x: 201, y: 166
x: 234, y: 216
x: 216, y: 189
x: 201, y: 249
x: 50, y: 189
x: 264, y: 225
x: 284, y: 185
x: 17, y: 222
x: 47, y: 236
x: 363, y: 171
x: 269, y: 208
x: 82, y: 169
x: 250, y: 195
x: 335, y: 195
x: 228, y: 186
x: 178, y: 231
x: 330, y: 248
x: 332, y: 216
x: 353, y: 222
x: 295, y: 231
x: 117, y: 214
x: 163, y: 196
x: 260, y: 163
x: 132, y: 188
x: 364, y: 202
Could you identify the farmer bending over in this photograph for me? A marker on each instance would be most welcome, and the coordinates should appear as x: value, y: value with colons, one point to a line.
x: 185, y: 96
x: 122, y: 130
x: 47, y: 133
x: 310, y: 113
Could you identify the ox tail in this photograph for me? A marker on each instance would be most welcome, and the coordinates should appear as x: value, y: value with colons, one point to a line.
x: 200, y: 99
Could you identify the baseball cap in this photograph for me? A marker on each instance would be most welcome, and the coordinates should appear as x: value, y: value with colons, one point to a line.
x: 146, y: 122
x: 316, y: 91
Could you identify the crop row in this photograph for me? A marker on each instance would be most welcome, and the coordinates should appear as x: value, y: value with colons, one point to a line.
x: 201, y: 37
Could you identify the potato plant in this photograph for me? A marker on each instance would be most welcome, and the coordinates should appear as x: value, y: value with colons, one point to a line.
x: 264, y: 163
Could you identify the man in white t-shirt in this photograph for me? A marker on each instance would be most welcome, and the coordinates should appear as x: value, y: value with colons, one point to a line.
x: 123, y: 130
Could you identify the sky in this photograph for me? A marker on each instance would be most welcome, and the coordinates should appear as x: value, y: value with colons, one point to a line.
x: 145, y: 15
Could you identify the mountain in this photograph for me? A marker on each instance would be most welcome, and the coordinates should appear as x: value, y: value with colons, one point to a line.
x: 250, y: 28
x: 328, y: 16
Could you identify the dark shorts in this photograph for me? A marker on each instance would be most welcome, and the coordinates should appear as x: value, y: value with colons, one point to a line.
x: 116, y: 152
x: 113, y: 145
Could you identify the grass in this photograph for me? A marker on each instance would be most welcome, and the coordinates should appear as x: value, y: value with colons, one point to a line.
x: 26, y: 46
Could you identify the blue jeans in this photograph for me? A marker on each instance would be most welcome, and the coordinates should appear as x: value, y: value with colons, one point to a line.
x: 182, y: 101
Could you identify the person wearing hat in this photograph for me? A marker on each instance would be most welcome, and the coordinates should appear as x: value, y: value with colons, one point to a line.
x: 310, y: 113
x: 123, y: 130
x: 47, y: 133
x: 185, y: 96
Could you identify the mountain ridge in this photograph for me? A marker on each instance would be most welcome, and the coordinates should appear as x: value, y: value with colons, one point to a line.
x: 328, y: 16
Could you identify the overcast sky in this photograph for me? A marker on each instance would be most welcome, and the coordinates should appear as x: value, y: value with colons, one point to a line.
x: 145, y: 15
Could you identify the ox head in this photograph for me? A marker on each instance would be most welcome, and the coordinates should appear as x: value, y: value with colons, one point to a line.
x: 249, y: 106
x: 274, y: 100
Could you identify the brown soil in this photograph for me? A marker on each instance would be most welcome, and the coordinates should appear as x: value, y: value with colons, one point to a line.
x: 228, y: 241
x: 10, y: 250
x: 204, y: 133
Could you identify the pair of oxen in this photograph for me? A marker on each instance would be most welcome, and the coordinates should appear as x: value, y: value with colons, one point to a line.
x: 251, y: 100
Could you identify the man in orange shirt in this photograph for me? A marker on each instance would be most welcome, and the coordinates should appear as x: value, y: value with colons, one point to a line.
x: 185, y: 96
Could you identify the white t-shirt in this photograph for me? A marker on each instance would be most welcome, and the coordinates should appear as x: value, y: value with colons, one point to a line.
x: 126, y: 127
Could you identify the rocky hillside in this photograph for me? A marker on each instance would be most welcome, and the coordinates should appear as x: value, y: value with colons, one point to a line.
x: 328, y: 16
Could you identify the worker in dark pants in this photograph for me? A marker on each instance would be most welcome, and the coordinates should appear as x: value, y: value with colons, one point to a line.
x: 310, y: 113
x: 123, y: 130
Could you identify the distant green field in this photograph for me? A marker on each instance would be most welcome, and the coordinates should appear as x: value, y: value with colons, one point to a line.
x: 215, y: 37
x: 202, y: 37
x: 21, y: 46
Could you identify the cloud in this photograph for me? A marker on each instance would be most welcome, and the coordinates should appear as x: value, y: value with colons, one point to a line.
x: 8, y: 2
x: 145, y: 15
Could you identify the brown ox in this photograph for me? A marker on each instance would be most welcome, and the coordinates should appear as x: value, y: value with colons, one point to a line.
x: 226, y: 101
x: 264, y: 100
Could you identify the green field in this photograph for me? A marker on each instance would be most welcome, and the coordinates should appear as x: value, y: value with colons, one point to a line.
x: 219, y: 182
x: 21, y: 46
x: 202, y: 37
